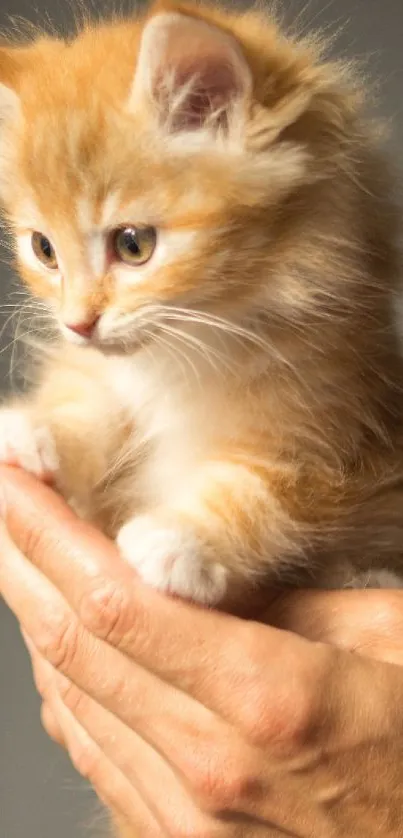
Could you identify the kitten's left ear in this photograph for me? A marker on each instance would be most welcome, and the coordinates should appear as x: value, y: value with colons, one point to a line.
x: 192, y: 73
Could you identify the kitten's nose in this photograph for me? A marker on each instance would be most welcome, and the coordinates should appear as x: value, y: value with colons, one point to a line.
x: 85, y: 328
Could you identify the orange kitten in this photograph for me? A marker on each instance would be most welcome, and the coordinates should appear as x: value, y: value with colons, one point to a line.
x: 201, y: 205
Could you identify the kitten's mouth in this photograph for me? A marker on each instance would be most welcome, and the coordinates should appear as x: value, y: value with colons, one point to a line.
x: 114, y: 343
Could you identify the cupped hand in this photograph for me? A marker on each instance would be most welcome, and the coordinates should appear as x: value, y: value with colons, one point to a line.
x: 190, y: 722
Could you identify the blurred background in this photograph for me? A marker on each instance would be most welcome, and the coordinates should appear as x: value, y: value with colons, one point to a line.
x: 40, y: 795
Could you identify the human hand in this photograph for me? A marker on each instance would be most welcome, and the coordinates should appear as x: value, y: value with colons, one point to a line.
x: 190, y: 722
x: 368, y: 622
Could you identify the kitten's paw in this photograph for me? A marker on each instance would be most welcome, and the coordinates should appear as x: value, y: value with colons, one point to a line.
x: 172, y: 558
x: 22, y: 444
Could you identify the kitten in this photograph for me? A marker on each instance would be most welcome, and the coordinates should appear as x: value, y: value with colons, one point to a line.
x: 201, y: 204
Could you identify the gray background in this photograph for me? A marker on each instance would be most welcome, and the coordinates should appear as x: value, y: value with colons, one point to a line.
x: 40, y: 795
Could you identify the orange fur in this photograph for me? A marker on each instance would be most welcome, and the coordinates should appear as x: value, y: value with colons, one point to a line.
x: 249, y: 414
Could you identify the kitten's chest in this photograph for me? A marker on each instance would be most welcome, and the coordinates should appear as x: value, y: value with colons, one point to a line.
x: 177, y: 425
x: 161, y: 406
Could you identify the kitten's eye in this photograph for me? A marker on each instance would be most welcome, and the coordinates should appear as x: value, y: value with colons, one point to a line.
x: 134, y: 245
x: 44, y: 251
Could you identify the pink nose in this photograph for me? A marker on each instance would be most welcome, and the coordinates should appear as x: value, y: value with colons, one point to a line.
x: 84, y: 329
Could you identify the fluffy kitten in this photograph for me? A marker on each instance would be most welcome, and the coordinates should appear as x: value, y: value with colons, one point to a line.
x: 200, y: 203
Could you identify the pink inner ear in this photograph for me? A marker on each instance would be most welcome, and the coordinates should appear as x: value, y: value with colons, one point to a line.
x: 212, y: 86
x: 193, y: 70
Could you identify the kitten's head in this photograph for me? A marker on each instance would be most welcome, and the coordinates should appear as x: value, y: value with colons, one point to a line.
x: 159, y: 169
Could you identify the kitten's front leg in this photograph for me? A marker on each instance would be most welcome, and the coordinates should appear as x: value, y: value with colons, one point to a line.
x: 227, y: 526
x: 65, y: 432
x: 172, y: 553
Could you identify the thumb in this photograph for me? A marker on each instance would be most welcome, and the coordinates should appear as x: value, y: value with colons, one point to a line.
x: 369, y: 622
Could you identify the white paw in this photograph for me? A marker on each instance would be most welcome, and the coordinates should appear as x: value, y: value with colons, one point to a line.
x: 23, y: 444
x: 171, y: 558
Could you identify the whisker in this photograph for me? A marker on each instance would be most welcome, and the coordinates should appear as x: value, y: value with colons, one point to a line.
x: 183, y: 356
x: 228, y: 327
x: 197, y: 345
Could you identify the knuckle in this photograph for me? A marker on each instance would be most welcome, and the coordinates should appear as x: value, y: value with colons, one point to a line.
x: 72, y: 697
x: 254, y: 713
x: 57, y: 640
x: 223, y: 782
x: 281, y: 723
x: 34, y: 538
x: 103, y: 611
x: 279, y: 706
x: 255, y: 718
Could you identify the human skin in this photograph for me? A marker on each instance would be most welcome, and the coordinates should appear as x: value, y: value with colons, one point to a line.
x: 189, y: 722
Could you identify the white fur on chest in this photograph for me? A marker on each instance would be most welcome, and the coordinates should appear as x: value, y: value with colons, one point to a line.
x: 179, y: 421
x: 159, y: 402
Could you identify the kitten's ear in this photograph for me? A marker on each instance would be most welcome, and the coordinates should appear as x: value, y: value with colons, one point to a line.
x: 9, y: 104
x: 9, y: 101
x: 193, y: 73
x: 9, y: 111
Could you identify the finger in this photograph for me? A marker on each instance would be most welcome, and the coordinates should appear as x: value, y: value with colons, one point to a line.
x: 58, y: 634
x: 51, y: 725
x: 208, y: 759
x: 261, y: 812
x: 369, y: 622
x: 190, y: 737
x: 115, y: 791
x: 139, y: 763
x: 150, y: 628
x: 215, y: 791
